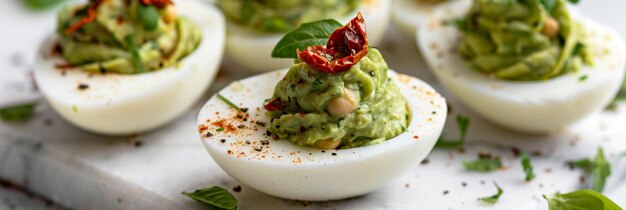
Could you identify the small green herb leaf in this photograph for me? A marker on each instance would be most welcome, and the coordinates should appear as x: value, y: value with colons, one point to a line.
x: 494, y: 198
x: 581, y: 199
x: 308, y: 34
x: 583, y: 78
x: 599, y: 169
x: 230, y: 103
x: 21, y: 112
x: 214, y: 196
x: 485, y: 163
x: 130, y: 46
x: 462, y: 123
x: 41, y: 4
x: 220, y: 129
x: 528, y: 168
x: 149, y: 15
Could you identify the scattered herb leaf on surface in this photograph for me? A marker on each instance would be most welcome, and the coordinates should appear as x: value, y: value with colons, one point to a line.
x: 599, y: 169
x: 462, y: 123
x: 494, y: 198
x: 528, y: 168
x: 21, y: 112
x: 229, y: 102
x: 214, y: 196
x: 484, y: 163
x: 581, y: 199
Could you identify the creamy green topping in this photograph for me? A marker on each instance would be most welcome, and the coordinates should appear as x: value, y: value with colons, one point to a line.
x: 273, y: 16
x: 522, y: 39
x: 126, y: 37
x: 373, y: 108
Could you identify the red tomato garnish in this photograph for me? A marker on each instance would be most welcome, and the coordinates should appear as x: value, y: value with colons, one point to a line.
x: 275, y: 104
x: 157, y: 3
x: 345, y: 47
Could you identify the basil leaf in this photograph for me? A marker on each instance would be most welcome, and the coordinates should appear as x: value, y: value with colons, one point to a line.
x: 214, y: 196
x: 601, y: 170
x: 528, y: 168
x: 308, y: 34
x: 548, y: 4
x: 580, y: 200
x: 149, y: 15
x: 130, y: 46
x: 574, y: 1
x: 494, y: 198
x: 462, y: 123
x: 41, y: 4
x: 21, y: 112
x: 483, y: 164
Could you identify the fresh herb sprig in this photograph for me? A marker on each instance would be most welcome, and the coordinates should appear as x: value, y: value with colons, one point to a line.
x: 599, y: 169
x: 134, y: 52
x: 494, y: 198
x: 528, y: 168
x: 308, y: 34
x: 581, y: 199
x: 484, y: 163
x: 214, y: 196
x: 462, y: 123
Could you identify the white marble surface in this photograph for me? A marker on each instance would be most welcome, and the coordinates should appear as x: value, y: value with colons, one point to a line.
x: 80, y: 170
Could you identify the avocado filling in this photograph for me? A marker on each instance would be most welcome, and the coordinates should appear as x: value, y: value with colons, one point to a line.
x: 125, y: 36
x: 522, y: 39
x: 273, y: 16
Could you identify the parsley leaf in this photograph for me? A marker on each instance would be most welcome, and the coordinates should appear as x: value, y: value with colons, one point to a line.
x: 214, y: 196
x: 581, y: 199
x: 528, y: 168
x: 494, y: 198
x: 462, y: 123
x: 17, y: 113
x: 308, y: 34
x: 599, y: 169
x: 485, y: 163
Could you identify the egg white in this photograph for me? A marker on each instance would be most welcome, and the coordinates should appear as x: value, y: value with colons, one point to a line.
x: 253, y: 50
x: 285, y: 170
x: 534, y: 106
x: 118, y: 104
x: 408, y: 14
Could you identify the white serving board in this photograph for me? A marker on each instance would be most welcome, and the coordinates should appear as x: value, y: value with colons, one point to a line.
x: 81, y: 170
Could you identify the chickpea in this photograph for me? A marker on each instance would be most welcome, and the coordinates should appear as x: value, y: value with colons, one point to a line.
x: 342, y: 105
x: 327, y: 143
x: 169, y: 16
x: 550, y: 27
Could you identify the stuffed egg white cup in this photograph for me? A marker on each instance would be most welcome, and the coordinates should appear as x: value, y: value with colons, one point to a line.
x: 252, y: 50
x: 528, y: 106
x: 280, y: 168
x: 408, y: 14
x: 120, y: 104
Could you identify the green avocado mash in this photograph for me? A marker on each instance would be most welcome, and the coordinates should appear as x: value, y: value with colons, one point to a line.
x: 125, y: 37
x: 522, y: 39
x: 274, y: 16
x: 380, y: 111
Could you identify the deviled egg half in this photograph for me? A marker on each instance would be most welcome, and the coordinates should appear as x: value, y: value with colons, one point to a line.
x: 337, y: 124
x: 255, y: 27
x: 408, y: 14
x: 123, y: 67
x: 522, y: 64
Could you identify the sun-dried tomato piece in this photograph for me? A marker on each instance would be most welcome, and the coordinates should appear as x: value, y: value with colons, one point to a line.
x: 345, y: 47
x: 275, y: 104
x: 90, y: 17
